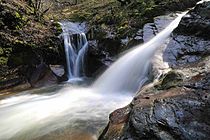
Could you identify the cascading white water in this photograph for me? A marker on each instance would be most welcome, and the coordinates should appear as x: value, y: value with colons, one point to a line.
x: 76, y: 45
x: 79, y: 110
x: 72, y: 109
x: 130, y: 72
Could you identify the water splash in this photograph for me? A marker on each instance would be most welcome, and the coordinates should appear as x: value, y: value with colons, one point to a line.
x: 76, y: 46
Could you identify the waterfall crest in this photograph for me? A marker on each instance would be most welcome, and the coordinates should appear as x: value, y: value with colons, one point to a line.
x: 130, y: 72
x: 75, y: 45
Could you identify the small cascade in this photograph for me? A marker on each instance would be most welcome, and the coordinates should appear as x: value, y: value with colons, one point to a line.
x: 130, y: 72
x: 76, y: 46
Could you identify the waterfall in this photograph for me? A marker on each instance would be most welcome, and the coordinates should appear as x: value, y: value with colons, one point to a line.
x: 130, y: 72
x: 75, y: 45
x: 67, y: 111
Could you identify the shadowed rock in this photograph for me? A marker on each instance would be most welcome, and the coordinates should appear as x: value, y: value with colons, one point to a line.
x: 190, y: 41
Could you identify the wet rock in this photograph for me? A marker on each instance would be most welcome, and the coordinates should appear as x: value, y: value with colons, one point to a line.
x: 180, y: 5
x: 94, y: 59
x: 159, y: 23
x: 182, y: 50
x: 10, y: 83
x: 190, y: 41
x: 180, y: 117
x: 58, y: 70
x: 117, y: 123
x: 177, y: 113
x: 111, y: 46
x: 100, y: 55
x: 42, y: 76
x: 149, y: 31
x: 196, y: 22
x: 136, y: 40
x: 199, y: 81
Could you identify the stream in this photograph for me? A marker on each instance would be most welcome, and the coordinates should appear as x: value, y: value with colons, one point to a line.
x: 69, y: 111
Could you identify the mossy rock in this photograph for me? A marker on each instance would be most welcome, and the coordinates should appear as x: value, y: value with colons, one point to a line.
x: 171, y: 79
x: 58, y: 28
x: 22, y: 54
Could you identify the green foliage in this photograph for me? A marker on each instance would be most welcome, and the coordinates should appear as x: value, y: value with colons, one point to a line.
x: 17, y: 15
x: 3, y: 60
x: 3, y: 56
x: 123, y: 20
x: 22, y: 20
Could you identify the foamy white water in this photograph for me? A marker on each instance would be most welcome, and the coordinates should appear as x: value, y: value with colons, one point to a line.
x: 27, y: 117
x: 75, y: 45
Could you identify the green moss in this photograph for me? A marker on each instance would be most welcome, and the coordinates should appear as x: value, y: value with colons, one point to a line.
x: 3, y: 60
x: 21, y: 20
x: 171, y: 79
x: 1, y: 51
x: 19, y: 42
x: 18, y: 27
x: 17, y: 15
x: 58, y: 28
x: 24, y: 18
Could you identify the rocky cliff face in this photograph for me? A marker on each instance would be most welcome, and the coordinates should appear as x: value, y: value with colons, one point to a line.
x: 25, y: 43
x: 177, y: 107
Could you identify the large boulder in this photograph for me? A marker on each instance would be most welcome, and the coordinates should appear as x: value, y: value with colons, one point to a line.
x: 190, y: 41
x: 42, y: 76
x: 196, y: 22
